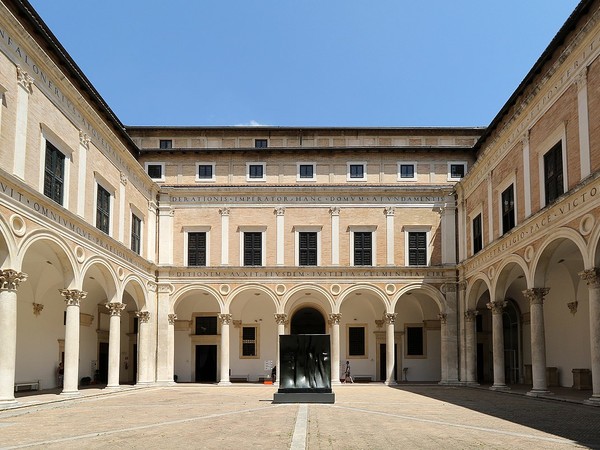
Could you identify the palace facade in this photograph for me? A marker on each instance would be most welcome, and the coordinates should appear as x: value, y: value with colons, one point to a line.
x: 149, y: 255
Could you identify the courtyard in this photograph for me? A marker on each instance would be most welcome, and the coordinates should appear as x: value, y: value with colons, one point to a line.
x: 242, y: 416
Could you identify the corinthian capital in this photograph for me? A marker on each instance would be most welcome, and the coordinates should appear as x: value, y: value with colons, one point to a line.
x: 115, y: 308
x: 72, y: 296
x: 281, y: 319
x: 225, y: 318
x: 390, y: 318
x: 172, y: 318
x: 497, y: 307
x: 470, y: 315
x: 10, y: 279
x: 536, y: 295
x: 591, y: 277
x: 144, y: 316
x: 334, y: 319
x: 24, y: 80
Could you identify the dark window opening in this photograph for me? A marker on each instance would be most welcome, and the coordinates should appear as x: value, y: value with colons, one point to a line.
x: 54, y: 173
x: 136, y: 233
x: 363, y: 248
x: 477, y: 234
x: 103, y: 210
x: 256, y: 171
x: 155, y: 171
x: 356, y: 341
x: 165, y: 144
x: 357, y: 171
x: 253, y: 249
x: 261, y: 143
x: 457, y: 170
x: 417, y: 248
x: 414, y: 341
x: 205, y: 171
x: 306, y: 171
x: 508, y: 209
x: 206, y: 325
x: 197, y: 249
x: 407, y: 171
x: 249, y: 341
x: 553, y: 173
x: 307, y: 243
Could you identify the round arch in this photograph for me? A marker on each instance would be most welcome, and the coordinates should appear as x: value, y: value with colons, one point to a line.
x: 378, y: 293
x: 432, y: 292
x: 288, y: 297
x: 550, y: 244
x: 137, y: 287
x: 594, y: 243
x: 8, y: 246
x: 248, y: 288
x: 59, y: 247
x: 111, y: 286
x: 178, y: 296
x: 474, y: 287
x: 506, y: 269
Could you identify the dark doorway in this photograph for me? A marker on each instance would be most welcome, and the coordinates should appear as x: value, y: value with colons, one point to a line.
x: 307, y: 321
x: 135, y: 363
x: 383, y: 362
x: 480, y: 378
x: 512, y: 342
x: 103, y: 362
x: 206, y: 363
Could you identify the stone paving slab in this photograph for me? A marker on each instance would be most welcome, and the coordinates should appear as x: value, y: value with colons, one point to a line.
x: 243, y: 416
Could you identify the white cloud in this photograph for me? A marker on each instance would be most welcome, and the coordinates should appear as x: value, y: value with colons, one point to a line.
x: 252, y: 123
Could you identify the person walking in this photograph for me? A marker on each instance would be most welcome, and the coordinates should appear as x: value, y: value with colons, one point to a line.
x: 347, y: 375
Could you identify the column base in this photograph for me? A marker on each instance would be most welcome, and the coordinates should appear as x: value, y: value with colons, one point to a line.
x: 391, y: 383
x: 224, y: 383
x: 336, y: 382
x: 594, y: 400
x: 165, y: 383
x: 499, y: 387
x: 144, y: 383
x: 538, y: 393
x: 113, y: 387
x: 70, y: 393
x: 9, y: 403
x: 450, y: 383
x: 472, y: 383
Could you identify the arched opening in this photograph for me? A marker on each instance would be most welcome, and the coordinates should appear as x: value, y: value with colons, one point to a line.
x: 511, y: 325
x: 307, y: 321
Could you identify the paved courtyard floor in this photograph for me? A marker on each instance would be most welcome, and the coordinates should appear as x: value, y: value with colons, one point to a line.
x: 370, y: 416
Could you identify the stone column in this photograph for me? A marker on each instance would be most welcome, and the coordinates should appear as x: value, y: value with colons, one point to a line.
x: 171, y: 354
x: 71, y: 377
x: 335, y: 235
x: 165, y: 330
x: 334, y: 320
x: 497, y: 308
x: 390, y: 341
x: 281, y: 320
x: 143, y: 347
x: 592, y: 278
x: 225, y: 320
x: 389, y: 234
x: 114, y: 343
x: 538, y: 340
x: 280, y: 213
x: 450, y: 334
x: 471, y: 347
x: 224, y: 236
x: 444, y: 346
x: 9, y: 282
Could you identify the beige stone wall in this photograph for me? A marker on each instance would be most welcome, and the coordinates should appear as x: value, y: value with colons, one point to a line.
x: 594, y: 113
x: 8, y: 80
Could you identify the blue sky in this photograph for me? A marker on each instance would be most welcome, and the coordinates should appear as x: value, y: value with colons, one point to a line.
x: 305, y: 62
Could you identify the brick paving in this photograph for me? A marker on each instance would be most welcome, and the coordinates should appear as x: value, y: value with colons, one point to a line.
x: 369, y: 416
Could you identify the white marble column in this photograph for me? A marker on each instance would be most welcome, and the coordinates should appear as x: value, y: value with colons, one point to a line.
x: 165, y: 329
x: 225, y: 320
x: 334, y: 320
x: 281, y: 320
x: 280, y: 218
x: 450, y: 333
x: 538, y: 340
x: 114, y: 343
x: 224, y: 236
x: 335, y: 235
x: 497, y: 308
x: 9, y: 282
x: 584, y: 123
x: 390, y: 341
x: 73, y: 298
x: 389, y: 234
x: 144, y: 337
x: 592, y: 278
x: 24, y: 89
x: 471, y: 345
x: 444, y: 346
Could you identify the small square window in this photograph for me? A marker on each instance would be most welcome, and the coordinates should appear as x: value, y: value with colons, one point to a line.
x: 255, y: 171
x: 407, y: 171
x: 155, y: 171
x: 165, y: 144
x: 357, y: 171
x: 456, y: 170
x: 205, y: 171
x: 261, y: 143
x: 206, y: 325
x: 306, y: 171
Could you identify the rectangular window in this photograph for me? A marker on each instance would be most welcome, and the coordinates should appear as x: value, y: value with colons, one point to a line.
x: 356, y: 341
x: 249, y: 341
x: 261, y: 143
x: 306, y: 171
x: 155, y: 171
x: 206, y: 325
x: 414, y: 341
x: 205, y: 171
x: 407, y: 171
x: 363, y: 248
x: 417, y: 248
x: 197, y: 249
x: 477, y: 234
x: 54, y: 174
x: 256, y: 171
x: 165, y: 144
x: 253, y: 248
x: 103, y: 210
x: 357, y: 171
x: 307, y: 248
x: 553, y: 173
x: 136, y: 233
x: 508, y: 209
x: 456, y: 170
